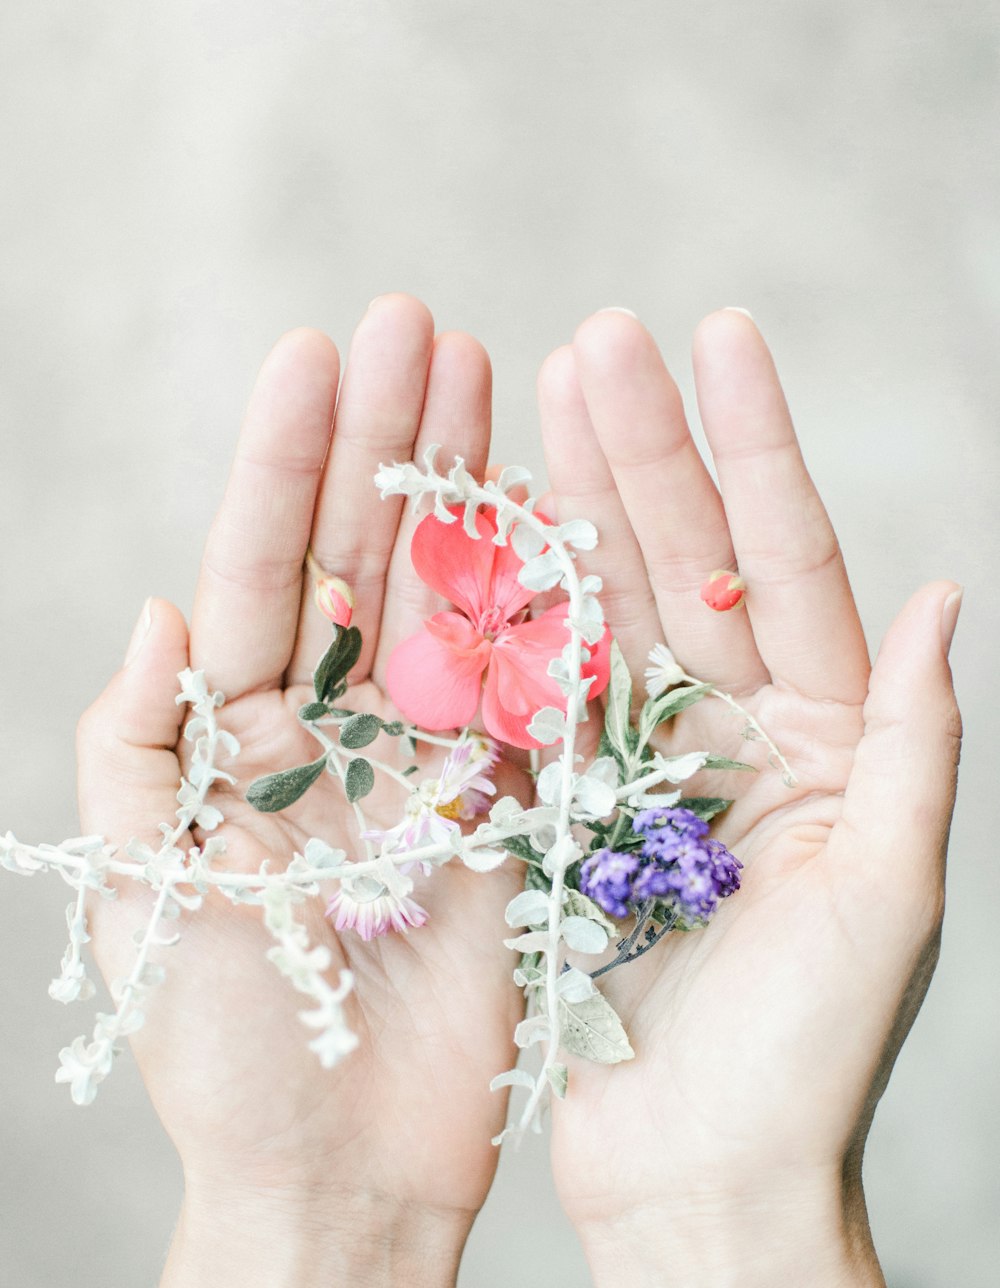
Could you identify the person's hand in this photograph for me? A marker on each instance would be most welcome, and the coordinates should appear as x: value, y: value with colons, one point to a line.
x: 372, y: 1172
x: 729, y: 1151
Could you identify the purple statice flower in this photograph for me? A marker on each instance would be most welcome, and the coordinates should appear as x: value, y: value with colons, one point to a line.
x: 606, y: 877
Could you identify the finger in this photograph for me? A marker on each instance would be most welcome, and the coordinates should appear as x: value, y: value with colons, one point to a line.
x: 456, y: 415
x: 893, y: 832
x: 128, y: 768
x: 247, y: 603
x: 584, y: 487
x: 672, y: 503
x: 378, y: 415
x: 799, y: 600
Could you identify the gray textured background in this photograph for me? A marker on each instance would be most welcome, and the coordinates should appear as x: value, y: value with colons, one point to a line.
x: 180, y: 183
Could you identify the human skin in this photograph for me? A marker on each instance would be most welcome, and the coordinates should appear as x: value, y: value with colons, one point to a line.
x: 729, y: 1151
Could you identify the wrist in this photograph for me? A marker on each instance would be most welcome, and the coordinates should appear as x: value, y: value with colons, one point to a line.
x: 789, y: 1231
x: 312, y: 1238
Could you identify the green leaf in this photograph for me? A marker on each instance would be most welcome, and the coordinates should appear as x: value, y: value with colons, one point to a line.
x: 705, y: 807
x: 314, y: 711
x: 393, y: 728
x: 410, y: 769
x: 558, y: 1076
x: 359, y: 779
x: 656, y: 710
x: 576, y: 904
x: 619, y: 702
x: 278, y: 791
x: 721, y: 762
x: 591, y: 1028
x: 337, y: 662
x: 521, y: 848
x: 359, y: 731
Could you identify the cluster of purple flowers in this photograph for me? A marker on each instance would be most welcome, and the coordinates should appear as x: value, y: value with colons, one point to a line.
x: 677, y: 863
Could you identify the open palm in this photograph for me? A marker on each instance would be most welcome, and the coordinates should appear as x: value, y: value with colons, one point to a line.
x: 407, y: 1118
x: 763, y: 1041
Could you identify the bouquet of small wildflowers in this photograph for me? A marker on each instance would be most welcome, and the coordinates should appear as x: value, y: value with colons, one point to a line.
x: 615, y: 855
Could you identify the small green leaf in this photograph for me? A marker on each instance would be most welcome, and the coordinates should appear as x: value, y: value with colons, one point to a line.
x: 278, y: 791
x: 336, y: 663
x: 591, y: 1028
x: 705, y: 807
x: 656, y: 710
x: 558, y: 1076
x: 619, y: 702
x: 721, y: 762
x: 359, y: 779
x: 410, y: 769
x: 314, y: 711
x: 521, y: 848
x: 393, y: 728
x: 359, y: 731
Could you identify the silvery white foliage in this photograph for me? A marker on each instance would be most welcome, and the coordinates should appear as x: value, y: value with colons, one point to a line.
x: 72, y: 983
x: 303, y: 964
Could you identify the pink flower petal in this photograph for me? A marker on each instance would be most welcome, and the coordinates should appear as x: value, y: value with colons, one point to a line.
x: 435, y: 676
x: 517, y: 682
x: 450, y: 562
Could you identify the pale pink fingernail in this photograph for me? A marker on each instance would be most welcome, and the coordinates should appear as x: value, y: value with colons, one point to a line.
x: 949, y: 617
x: 617, y: 308
x: 735, y: 308
x: 140, y: 632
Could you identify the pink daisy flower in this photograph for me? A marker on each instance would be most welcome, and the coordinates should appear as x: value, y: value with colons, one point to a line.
x: 373, y: 916
x: 487, y: 651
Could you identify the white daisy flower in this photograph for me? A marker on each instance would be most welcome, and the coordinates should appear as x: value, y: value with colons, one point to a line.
x: 664, y: 672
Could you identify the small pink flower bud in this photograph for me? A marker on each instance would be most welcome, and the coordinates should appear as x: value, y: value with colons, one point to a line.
x: 723, y: 590
x: 335, y: 599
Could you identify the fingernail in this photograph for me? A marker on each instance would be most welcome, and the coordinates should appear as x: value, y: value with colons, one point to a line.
x: 141, y: 631
x: 617, y: 308
x: 949, y: 617
x: 735, y: 308
x: 372, y: 303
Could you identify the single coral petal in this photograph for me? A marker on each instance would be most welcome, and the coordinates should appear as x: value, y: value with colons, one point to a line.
x: 452, y: 563
x: 433, y: 683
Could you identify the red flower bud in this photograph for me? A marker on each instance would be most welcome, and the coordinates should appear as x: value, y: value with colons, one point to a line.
x: 335, y: 600
x: 723, y: 590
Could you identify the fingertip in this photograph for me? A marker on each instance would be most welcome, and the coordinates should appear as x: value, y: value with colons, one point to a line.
x: 398, y: 309
x: 557, y: 379
x: 611, y: 339
x: 142, y: 697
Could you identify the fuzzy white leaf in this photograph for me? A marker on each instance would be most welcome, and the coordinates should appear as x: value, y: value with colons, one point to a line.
x: 580, y: 533
x: 529, y: 908
x: 535, y: 941
x: 583, y: 935
x: 547, y: 725
x: 678, y: 768
x: 482, y: 859
x: 527, y: 542
x: 541, y: 573
x: 576, y: 985
x: 593, y: 798
x: 560, y: 855
x: 513, y: 1078
x: 534, y: 1029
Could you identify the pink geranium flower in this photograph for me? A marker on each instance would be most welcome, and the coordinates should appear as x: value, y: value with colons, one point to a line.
x: 488, y: 650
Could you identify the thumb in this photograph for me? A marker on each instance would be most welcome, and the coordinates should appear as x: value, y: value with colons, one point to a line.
x: 128, y: 770
x: 901, y: 791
